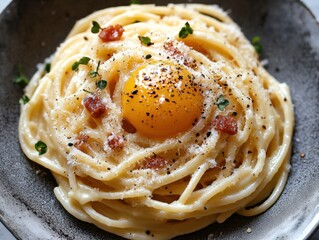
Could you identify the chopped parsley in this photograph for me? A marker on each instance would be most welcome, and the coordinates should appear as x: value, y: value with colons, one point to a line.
x: 96, y: 27
x: 101, y: 84
x: 21, y: 80
x: 257, y: 44
x: 185, y: 31
x: 87, y: 91
x: 47, y: 67
x: 95, y: 73
x: 24, y: 99
x: 41, y: 147
x: 82, y: 61
x: 148, y: 56
x: 222, y: 102
x: 145, y: 40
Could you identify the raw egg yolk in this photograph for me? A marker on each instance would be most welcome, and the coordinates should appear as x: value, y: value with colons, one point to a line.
x: 162, y: 99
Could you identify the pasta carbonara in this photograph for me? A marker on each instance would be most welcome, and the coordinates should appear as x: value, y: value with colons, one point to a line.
x: 157, y: 121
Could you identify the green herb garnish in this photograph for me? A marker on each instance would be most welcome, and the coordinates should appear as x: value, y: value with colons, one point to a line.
x: 101, y: 84
x: 135, y: 2
x: 21, y: 80
x: 82, y: 61
x: 41, y: 147
x: 145, y: 40
x: 222, y: 103
x: 87, y: 91
x: 24, y: 99
x: 148, y: 56
x: 257, y: 44
x: 47, y: 67
x: 185, y: 31
x: 96, y: 27
x: 75, y: 66
x: 95, y: 73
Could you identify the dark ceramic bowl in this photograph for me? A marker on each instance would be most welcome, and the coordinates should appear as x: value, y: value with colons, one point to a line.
x: 31, y: 30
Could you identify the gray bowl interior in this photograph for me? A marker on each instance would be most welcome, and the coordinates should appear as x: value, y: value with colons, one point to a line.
x: 31, y: 30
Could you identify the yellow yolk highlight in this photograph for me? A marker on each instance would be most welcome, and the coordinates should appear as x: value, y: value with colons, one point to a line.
x: 161, y: 100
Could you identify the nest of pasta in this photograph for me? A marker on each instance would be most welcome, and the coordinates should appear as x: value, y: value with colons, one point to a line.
x: 159, y: 121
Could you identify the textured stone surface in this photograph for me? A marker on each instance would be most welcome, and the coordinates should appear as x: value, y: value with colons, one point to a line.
x: 31, y: 30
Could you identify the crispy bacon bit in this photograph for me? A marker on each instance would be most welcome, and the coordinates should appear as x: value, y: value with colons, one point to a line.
x: 226, y: 124
x: 177, y: 54
x: 94, y: 105
x: 127, y: 126
x: 115, y: 141
x: 81, y: 140
x: 111, y: 33
x: 155, y: 163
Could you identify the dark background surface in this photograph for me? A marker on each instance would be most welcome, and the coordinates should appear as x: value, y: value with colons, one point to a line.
x: 31, y: 30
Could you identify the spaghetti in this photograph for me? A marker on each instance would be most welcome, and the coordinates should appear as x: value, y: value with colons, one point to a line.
x: 158, y: 121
